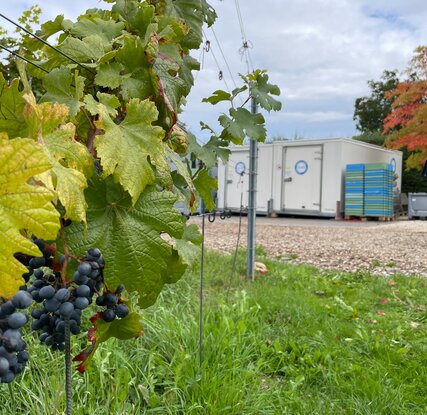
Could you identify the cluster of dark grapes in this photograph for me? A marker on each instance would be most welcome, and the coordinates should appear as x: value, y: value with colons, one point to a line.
x: 63, y: 304
x: 13, y: 356
x: 114, y: 306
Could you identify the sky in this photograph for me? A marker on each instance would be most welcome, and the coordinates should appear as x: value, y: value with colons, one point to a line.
x: 321, y: 53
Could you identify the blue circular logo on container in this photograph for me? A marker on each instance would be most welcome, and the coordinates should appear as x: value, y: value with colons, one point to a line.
x: 393, y: 164
x: 301, y: 167
x: 240, y: 167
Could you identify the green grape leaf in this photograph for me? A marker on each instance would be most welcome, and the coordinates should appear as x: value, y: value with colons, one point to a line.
x: 126, y: 328
x: 209, y: 152
x: 181, y: 167
x: 22, y: 206
x: 217, y: 96
x: 106, y: 29
x: 188, y: 246
x: 110, y: 102
x: 88, y: 50
x: 61, y: 86
x: 171, y: 87
x: 261, y: 90
x: 109, y: 75
x: 243, y: 123
x: 71, y: 161
x: 11, y: 108
x: 204, y: 185
x: 130, y: 236
x: 194, y: 13
x: 138, y: 77
x: 124, y: 148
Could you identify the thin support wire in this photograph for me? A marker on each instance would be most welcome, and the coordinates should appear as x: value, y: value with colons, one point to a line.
x: 68, y: 384
x: 223, y: 56
x: 46, y: 43
x: 23, y: 58
x: 202, y: 276
x: 233, y: 268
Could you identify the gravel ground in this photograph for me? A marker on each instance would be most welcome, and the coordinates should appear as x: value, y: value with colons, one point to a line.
x: 383, y: 248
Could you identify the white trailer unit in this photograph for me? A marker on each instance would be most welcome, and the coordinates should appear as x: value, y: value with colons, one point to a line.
x: 233, y: 179
x: 304, y: 177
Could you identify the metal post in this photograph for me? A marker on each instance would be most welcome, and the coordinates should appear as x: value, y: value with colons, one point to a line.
x: 253, y: 167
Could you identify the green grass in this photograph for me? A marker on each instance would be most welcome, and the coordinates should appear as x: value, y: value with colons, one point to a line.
x: 296, y: 341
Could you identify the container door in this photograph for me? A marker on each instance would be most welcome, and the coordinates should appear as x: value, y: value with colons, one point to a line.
x: 302, y: 178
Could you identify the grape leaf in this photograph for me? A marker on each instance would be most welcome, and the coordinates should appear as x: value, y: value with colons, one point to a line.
x: 22, y: 206
x: 88, y: 50
x: 188, y: 246
x: 261, y: 90
x: 61, y: 86
x: 110, y: 102
x: 11, y: 108
x: 194, y: 13
x: 209, y: 152
x: 70, y: 160
x: 141, y: 80
x: 204, y: 185
x: 106, y: 29
x: 124, y: 148
x: 218, y: 96
x: 129, y: 236
x: 242, y: 123
x: 109, y: 75
x: 123, y: 329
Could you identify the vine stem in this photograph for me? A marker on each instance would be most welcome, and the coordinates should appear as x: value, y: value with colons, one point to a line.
x: 68, y: 384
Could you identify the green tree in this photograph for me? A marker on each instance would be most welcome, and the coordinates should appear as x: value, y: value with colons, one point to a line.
x: 370, y: 111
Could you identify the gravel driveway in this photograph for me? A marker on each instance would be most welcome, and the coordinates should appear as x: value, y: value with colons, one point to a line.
x: 383, y: 248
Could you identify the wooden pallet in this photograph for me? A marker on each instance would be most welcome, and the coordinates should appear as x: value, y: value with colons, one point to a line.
x: 363, y: 218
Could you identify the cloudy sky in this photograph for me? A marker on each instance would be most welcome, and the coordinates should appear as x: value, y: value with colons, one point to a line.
x: 320, y: 52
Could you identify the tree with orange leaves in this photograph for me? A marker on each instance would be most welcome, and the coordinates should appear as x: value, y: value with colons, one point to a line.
x: 406, y: 125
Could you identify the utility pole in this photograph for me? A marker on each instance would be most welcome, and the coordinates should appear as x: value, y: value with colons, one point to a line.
x: 253, y: 168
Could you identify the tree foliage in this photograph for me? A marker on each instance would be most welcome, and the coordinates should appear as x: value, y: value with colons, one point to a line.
x: 406, y: 125
x: 370, y: 111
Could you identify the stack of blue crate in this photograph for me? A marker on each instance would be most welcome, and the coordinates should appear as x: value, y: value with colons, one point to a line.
x: 354, y: 189
x: 378, y: 190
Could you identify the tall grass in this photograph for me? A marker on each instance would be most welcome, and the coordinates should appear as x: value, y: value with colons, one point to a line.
x: 297, y: 341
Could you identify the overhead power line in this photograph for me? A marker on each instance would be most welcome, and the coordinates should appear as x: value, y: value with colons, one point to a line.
x: 23, y: 58
x: 46, y: 43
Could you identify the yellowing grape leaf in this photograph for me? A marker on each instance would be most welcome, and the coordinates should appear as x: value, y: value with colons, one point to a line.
x: 125, y: 148
x: 71, y: 161
x: 11, y: 106
x: 22, y: 206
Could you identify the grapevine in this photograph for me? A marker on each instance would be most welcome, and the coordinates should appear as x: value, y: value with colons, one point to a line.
x: 96, y: 162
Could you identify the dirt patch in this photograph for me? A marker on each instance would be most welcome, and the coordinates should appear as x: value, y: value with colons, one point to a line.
x: 383, y: 249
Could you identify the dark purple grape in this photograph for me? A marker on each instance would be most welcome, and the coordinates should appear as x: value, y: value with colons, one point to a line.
x: 52, y: 304
x: 108, y: 315
x: 47, y: 292
x: 22, y: 299
x: 17, y: 320
x: 66, y: 310
x: 122, y: 310
x: 62, y: 295
x: 37, y: 262
x: 83, y: 291
x: 84, y: 268
x: 4, y: 366
x: 110, y: 299
x: 81, y: 303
